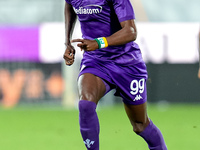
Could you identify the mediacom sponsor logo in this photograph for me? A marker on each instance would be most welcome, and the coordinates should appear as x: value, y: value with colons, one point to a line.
x: 88, y: 9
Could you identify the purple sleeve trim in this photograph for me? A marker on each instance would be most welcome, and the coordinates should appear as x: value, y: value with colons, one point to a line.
x: 126, y: 18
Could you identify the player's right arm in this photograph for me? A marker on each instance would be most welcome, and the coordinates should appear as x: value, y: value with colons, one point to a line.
x: 70, y: 20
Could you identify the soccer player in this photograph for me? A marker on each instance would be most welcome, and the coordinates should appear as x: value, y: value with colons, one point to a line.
x: 111, y: 60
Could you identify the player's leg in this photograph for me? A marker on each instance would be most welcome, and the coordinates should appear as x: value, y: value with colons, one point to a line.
x: 144, y: 127
x: 91, y: 89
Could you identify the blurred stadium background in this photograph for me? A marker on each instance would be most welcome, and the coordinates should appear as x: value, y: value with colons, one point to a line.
x: 33, y: 75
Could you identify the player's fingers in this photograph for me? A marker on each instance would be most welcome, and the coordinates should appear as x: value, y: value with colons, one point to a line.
x: 80, y: 45
x: 69, y: 62
x: 68, y: 56
x: 69, y: 53
x: 73, y: 51
x: 77, y: 40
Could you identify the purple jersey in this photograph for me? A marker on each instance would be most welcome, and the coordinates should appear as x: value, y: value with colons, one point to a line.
x: 101, y: 18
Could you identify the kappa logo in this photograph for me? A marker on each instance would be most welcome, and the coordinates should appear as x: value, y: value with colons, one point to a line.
x: 88, y: 143
x: 137, y: 98
x: 89, y: 9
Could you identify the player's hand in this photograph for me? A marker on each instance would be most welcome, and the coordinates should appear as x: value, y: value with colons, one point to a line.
x: 86, y: 45
x: 199, y: 73
x: 69, y: 55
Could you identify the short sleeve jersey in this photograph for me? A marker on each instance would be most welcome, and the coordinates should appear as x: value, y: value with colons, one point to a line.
x: 101, y: 18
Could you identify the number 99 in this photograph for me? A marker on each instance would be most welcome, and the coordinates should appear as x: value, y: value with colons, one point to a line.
x: 137, y: 86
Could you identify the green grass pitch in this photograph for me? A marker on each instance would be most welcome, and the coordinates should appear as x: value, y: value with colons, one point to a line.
x: 39, y: 128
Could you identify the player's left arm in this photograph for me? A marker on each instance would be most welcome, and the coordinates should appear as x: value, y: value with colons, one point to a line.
x: 125, y: 35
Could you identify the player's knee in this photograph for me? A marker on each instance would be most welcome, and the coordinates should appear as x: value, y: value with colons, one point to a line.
x: 87, y: 96
x: 138, y: 127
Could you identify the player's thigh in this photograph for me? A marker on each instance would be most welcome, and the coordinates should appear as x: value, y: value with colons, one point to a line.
x: 137, y: 115
x: 91, y: 87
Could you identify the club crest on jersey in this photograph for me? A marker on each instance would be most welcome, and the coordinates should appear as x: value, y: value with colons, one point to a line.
x: 88, y: 143
x: 88, y: 9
